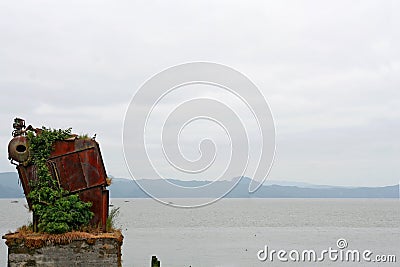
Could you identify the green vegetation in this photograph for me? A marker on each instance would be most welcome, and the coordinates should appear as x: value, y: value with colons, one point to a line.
x: 111, y: 219
x: 84, y: 136
x: 58, y: 211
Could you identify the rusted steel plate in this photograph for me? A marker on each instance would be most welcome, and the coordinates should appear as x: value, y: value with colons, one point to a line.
x: 78, y: 167
x: 27, y: 174
x: 80, y: 170
x: 71, y: 176
x: 105, y: 200
x: 99, y: 207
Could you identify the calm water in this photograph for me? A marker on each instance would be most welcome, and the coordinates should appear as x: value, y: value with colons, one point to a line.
x: 232, y: 231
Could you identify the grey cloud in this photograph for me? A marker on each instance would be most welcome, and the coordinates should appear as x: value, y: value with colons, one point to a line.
x: 328, y: 69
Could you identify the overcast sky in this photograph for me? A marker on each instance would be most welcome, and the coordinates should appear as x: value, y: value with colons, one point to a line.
x: 330, y: 71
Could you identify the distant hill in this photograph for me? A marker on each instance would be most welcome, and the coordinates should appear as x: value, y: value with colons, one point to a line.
x: 9, y: 187
x: 125, y: 188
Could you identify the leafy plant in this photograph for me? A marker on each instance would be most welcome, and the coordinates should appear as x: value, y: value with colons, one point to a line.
x: 58, y: 211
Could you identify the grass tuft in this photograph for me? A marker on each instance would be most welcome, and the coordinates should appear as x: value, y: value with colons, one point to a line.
x: 112, y: 219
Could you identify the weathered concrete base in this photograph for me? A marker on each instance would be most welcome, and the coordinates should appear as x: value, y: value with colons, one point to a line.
x: 70, y: 249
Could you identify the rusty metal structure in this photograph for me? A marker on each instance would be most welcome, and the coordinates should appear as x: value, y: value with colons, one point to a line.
x: 76, y: 164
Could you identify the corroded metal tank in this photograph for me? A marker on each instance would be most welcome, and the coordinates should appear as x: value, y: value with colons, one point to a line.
x: 18, y: 149
x: 76, y: 164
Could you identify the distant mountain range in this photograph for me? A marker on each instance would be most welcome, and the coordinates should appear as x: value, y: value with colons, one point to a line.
x: 125, y: 188
x: 9, y: 185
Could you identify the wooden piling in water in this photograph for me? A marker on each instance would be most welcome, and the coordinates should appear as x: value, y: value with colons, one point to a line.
x: 155, y: 262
